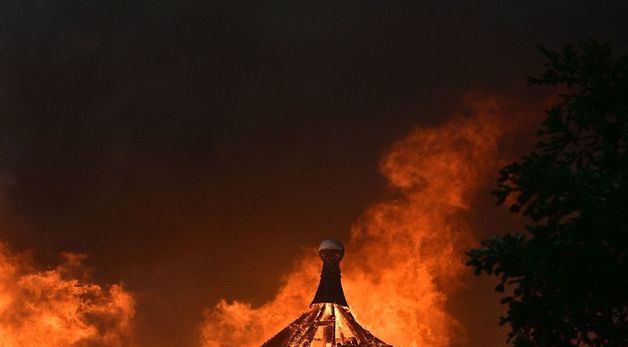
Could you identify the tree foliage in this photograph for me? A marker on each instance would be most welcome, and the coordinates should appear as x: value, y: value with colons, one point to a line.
x: 565, y: 278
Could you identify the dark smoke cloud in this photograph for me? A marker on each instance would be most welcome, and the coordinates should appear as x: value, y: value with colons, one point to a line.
x: 192, y: 147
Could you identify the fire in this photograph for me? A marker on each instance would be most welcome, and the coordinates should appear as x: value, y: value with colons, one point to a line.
x: 59, y: 307
x: 239, y: 324
x: 404, y: 256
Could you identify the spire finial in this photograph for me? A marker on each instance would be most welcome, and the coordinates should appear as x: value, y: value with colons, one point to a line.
x: 330, y: 288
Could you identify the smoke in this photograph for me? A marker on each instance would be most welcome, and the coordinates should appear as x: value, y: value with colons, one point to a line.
x: 60, y: 307
x: 405, y: 256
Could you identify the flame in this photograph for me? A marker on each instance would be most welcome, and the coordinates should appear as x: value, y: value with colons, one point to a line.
x: 59, y: 307
x: 405, y: 256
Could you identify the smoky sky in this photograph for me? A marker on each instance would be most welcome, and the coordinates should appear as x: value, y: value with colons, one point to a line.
x: 192, y: 148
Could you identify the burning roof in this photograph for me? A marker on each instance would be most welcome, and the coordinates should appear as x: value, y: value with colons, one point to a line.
x: 329, y: 322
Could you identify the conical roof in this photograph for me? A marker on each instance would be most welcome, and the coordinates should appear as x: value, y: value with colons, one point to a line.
x: 328, y: 322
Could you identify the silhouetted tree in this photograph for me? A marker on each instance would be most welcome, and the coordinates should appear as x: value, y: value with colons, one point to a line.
x: 565, y: 279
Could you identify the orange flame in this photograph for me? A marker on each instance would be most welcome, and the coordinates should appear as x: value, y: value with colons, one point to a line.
x: 55, y: 308
x: 404, y: 256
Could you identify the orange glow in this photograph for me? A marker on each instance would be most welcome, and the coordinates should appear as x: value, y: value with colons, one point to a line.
x: 404, y: 256
x: 59, y: 307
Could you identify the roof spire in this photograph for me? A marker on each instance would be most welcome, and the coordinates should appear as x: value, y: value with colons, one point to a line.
x: 330, y: 288
x: 329, y: 321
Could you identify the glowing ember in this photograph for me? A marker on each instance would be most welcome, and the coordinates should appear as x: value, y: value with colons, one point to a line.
x: 325, y: 325
x: 55, y: 308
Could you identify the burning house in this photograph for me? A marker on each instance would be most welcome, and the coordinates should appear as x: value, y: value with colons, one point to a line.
x: 328, y: 322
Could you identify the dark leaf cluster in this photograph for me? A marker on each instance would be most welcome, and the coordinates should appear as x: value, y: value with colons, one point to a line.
x: 565, y: 278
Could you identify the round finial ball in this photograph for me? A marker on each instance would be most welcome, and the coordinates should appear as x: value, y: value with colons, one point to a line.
x: 331, y: 250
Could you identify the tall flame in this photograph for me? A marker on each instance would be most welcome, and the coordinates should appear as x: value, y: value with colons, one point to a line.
x: 405, y: 256
x: 59, y: 307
